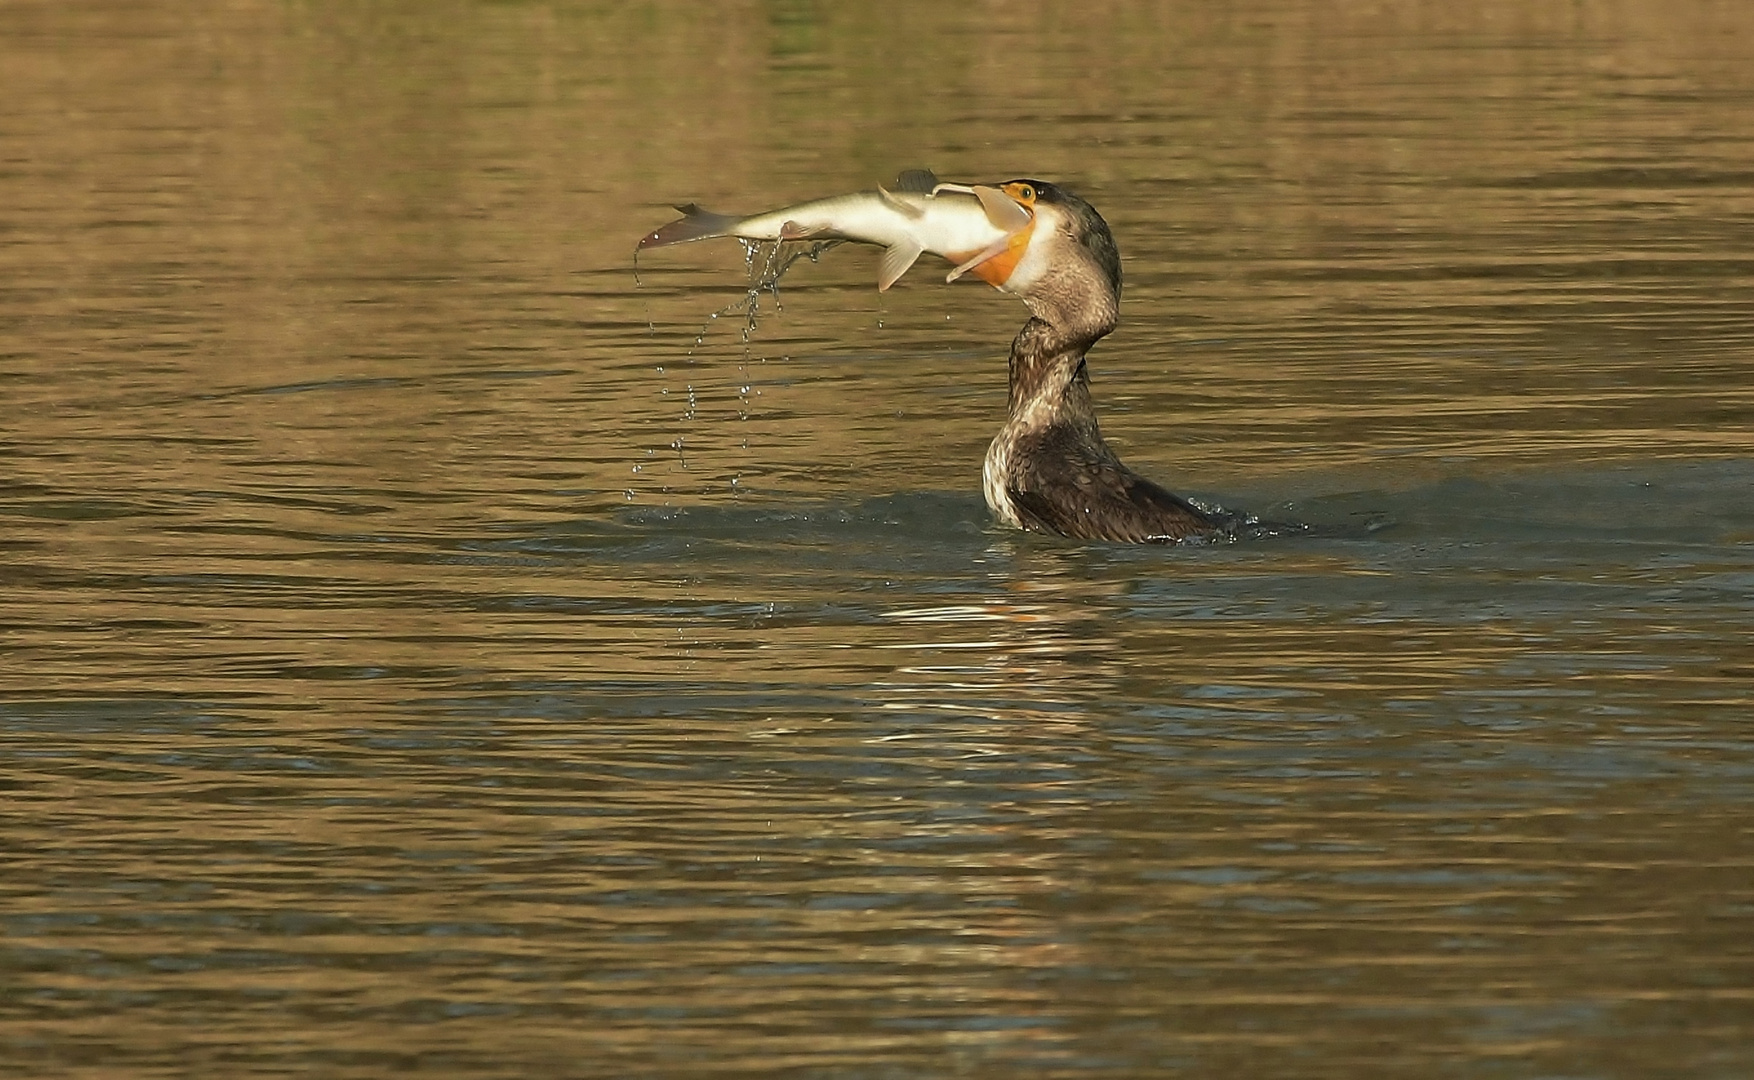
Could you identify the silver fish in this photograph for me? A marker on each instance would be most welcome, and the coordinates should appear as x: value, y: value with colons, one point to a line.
x: 980, y: 228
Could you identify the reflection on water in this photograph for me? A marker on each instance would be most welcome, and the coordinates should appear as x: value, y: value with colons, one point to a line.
x: 422, y: 653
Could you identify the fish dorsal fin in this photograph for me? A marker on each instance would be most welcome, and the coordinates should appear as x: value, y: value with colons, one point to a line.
x: 1002, y: 210
x: 896, y: 259
x: 916, y: 181
x: 903, y: 208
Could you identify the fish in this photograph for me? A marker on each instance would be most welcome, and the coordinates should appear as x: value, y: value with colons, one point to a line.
x: 980, y: 228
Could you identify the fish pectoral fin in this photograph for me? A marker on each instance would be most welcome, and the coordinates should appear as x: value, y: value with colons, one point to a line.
x: 898, y: 206
x: 896, y: 259
x: 1002, y: 210
x: 997, y: 248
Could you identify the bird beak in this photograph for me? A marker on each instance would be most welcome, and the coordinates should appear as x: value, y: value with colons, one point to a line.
x: 1006, y: 213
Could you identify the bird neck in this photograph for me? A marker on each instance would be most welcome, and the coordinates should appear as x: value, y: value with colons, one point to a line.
x: 1076, y: 299
x: 1047, y: 363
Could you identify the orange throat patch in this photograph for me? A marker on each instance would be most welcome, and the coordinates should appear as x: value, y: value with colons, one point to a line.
x: 998, y: 269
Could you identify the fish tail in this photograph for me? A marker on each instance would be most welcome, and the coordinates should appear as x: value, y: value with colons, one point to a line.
x: 695, y: 224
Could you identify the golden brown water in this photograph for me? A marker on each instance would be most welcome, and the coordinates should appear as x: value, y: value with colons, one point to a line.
x: 421, y: 655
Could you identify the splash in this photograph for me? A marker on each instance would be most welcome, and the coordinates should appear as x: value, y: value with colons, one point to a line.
x: 765, y: 262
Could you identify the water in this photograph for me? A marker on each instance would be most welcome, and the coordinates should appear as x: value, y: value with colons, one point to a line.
x: 425, y: 650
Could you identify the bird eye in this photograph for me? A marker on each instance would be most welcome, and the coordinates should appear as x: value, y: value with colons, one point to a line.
x: 1025, y: 192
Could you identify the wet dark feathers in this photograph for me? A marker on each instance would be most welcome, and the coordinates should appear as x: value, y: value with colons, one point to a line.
x: 1067, y: 483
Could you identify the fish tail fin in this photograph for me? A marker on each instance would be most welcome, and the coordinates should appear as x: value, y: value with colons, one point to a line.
x: 695, y: 224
